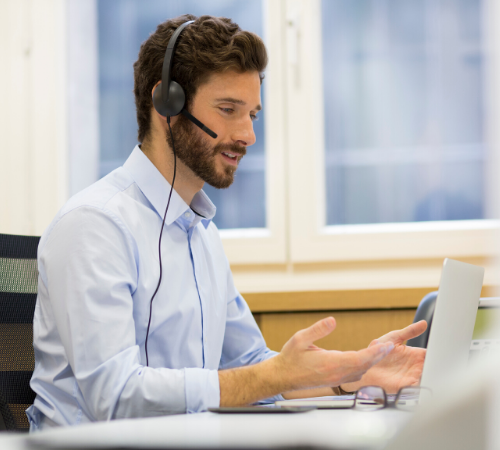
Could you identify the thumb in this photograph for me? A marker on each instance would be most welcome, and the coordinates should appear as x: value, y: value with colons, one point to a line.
x: 317, y: 331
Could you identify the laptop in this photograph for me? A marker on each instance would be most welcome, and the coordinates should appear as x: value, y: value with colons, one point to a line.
x: 452, y: 323
x: 450, y: 336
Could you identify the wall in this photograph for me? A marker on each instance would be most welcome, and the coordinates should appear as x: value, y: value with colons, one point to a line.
x: 33, y: 154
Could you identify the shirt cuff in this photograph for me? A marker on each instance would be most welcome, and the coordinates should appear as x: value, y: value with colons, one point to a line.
x: 202, y: 389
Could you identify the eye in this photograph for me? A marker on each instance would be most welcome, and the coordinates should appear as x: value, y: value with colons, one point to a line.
x: 254, y: 117
x: 227, y: 110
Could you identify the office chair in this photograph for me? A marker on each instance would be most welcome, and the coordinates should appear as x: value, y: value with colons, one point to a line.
x: 425, y: 311
x: 18, y: 290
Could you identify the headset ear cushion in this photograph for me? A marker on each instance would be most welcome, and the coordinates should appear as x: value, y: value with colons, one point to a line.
x: 176, y: 100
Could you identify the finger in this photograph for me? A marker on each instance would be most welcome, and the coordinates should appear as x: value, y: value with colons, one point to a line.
x: 317, y: 331
x: 399, y: 336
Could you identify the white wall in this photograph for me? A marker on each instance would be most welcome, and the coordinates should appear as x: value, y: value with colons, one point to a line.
x: 33, y: 119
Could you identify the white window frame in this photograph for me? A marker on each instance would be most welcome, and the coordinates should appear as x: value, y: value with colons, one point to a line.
x: 310, y: 239
x: 268, y: 245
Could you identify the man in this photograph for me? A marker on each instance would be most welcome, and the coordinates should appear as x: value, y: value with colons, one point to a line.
x: 104, y: 349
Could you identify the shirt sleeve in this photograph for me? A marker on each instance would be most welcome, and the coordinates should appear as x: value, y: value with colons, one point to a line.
x: 243, y: 341
x: 89, y: 267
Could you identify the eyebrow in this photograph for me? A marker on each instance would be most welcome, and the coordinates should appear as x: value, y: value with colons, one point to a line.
x: 236, y: 102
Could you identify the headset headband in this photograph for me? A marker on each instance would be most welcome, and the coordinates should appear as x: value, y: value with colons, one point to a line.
x: 167, y: 62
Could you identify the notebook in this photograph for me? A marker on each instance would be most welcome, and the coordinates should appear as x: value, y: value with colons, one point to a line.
x: 450, y: 336
x: 452, y: 323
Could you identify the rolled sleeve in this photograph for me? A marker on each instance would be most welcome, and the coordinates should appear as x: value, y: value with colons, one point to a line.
x: 152, y: 392
x: 202, y: 389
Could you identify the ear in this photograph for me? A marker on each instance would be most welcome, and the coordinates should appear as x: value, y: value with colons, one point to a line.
x: 155, y: 94
x: 154, y: 87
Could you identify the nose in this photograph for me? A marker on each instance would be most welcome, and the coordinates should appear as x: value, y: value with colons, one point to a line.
x: 243, y: 133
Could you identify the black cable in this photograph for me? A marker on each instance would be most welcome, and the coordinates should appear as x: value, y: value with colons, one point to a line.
x: 159, y: 242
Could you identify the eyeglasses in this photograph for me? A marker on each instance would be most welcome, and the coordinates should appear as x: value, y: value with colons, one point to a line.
x: 372, y: 398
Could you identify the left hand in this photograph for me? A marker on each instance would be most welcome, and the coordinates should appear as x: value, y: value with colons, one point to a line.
x: 402, y: 367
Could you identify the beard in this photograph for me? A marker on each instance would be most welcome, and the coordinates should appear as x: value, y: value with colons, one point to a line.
x: 196, y: 153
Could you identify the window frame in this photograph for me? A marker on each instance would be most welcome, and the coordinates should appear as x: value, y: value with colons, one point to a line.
x: 268, y: 245
x: 310, y: 239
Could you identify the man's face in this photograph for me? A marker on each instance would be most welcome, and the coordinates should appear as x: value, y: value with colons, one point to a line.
x: 227, y: 104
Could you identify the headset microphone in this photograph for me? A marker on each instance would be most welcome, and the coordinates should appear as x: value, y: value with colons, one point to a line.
x: 193, y: 119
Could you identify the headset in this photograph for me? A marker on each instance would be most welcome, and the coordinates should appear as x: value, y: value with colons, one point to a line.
x: 169, y: 100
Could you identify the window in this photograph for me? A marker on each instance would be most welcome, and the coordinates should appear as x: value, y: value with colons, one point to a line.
x: 404, y: 132
x: 359, y: 156
x: 122, y: 27
x: 372, y: 145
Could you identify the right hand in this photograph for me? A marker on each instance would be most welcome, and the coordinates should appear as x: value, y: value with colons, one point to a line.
x: 304, y: 365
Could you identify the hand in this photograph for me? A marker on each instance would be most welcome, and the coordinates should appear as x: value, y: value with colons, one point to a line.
x: 402, y: 367
x: 304, y: 365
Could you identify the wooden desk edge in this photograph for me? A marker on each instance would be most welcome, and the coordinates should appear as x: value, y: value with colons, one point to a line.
x: 401, y: 298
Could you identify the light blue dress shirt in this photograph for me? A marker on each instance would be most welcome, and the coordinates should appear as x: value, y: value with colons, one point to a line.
x: 98, y: 268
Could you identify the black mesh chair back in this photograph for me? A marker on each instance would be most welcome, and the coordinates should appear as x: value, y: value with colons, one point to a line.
x: 425, y: 311
x: 18, y: 289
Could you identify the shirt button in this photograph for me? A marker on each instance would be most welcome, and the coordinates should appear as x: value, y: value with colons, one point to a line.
x: 187, y: 215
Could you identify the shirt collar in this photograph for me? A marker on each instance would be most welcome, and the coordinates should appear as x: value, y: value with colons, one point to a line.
x: 156, y: 189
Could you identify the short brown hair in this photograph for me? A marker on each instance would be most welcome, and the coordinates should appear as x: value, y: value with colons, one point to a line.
x: 208, y: 45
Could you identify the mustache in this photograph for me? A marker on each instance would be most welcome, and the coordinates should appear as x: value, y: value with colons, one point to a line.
x: 231, y: 148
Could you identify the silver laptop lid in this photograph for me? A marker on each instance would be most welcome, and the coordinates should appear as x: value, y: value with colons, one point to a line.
x: 453, y: 322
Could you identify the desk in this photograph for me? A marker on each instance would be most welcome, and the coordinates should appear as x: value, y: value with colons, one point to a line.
x: 321, y: 428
